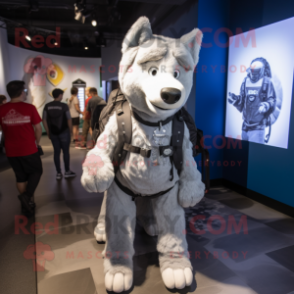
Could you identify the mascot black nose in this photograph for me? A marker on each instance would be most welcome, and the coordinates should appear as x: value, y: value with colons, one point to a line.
x: 170, y: 95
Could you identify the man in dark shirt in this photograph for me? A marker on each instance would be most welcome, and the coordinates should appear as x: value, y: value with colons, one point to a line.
x: 58, y: 125
x: 95, y: 101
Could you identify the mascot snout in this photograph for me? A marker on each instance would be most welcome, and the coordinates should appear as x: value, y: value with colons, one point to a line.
x: 170, y: 95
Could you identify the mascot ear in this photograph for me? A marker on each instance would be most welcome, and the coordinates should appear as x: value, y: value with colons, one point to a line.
x: 192, y: 41
x: 139, y: 33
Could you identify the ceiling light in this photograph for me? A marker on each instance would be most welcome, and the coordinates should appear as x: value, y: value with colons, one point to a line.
x: 28, y: 38
x: 94, y: 23
x: 55, y: 43
x: 86, y: 48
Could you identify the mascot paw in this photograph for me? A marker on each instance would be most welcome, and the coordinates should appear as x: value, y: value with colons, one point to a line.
x: 191, y: 194
x: 118, y: 282
x: 99, y: 234
x: 98, y: 174
x: 177, y: 278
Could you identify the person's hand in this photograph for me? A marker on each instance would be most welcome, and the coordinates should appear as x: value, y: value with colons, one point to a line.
x: 263, y: 107
x: 232, y: 97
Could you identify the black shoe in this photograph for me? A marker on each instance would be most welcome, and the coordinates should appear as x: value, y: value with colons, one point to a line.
x: 100, y: 242
x: 25, y: 201
x: 24, y: 210
x: 69, y: 174
x: 58, y: 176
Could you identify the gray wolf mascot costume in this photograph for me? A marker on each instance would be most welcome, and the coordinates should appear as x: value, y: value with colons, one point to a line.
x: 155, y: 76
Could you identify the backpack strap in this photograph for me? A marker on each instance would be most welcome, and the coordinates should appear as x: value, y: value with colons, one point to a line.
x: 264, y: 88
x: 177, y: 139
x: 124, y: 124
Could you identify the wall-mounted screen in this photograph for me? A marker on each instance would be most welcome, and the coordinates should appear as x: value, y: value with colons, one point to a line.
x: 260, y: 83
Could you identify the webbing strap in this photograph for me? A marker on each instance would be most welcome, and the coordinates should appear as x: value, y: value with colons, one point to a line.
x: 135, y: 149
x: 177, y: 141
x: 124, y: 124
x: 135, y: 195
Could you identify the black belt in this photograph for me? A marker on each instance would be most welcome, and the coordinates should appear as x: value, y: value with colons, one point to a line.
x: 133, y: 195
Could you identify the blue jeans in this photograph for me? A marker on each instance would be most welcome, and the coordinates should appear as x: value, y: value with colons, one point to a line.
x: 256, y: 136
x: 61, y: 141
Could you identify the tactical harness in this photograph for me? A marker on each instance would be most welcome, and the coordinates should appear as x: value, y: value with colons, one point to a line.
x: 174, y: 150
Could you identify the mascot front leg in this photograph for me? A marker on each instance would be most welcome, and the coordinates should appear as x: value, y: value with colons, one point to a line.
x: 175, y: 266
x: 191, y: 189
x: 120, y: 230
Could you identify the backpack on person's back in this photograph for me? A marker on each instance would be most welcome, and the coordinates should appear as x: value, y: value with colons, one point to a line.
x: 56, y: 117
x: 118, y: 103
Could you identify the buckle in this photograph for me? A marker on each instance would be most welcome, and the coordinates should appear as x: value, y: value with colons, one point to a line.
x: 119, y: 111
x: 145, y: 152
x: 166, y: 151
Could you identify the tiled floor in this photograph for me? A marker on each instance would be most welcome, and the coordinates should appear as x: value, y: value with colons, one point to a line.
x: 240, y: 246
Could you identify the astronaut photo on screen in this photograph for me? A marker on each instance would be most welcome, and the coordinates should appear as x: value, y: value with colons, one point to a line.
x: 257, y: 102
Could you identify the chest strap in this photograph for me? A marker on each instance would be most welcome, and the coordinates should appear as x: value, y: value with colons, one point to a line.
x: 135, y: 149
x: 134, y: 195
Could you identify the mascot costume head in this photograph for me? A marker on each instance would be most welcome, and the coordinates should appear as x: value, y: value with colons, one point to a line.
x: 156, y: 72
x: 156, y: 77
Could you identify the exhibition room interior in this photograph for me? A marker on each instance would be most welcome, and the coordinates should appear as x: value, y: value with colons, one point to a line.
x: 117, y: 87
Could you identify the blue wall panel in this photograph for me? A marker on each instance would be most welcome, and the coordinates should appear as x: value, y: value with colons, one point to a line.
x: 211, y: 80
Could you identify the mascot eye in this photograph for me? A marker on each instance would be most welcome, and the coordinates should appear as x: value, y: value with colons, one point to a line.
x: 176, y: 73
x: 153, y: 71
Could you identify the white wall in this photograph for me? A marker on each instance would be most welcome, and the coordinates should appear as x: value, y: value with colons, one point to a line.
x: 4, y: 64
x: 73, y: 68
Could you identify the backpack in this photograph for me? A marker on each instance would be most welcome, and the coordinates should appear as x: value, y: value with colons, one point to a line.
x: 95, y: 116
x: 273, y: 116
x: 119, y: 104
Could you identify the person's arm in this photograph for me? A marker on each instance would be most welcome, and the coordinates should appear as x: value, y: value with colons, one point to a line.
x: 38, y: 133
x: 238, y: 100
x: 69, y: 120
x: 36, y: 122
x: 78, y: 108
x: 88, y: 111
x: 45, y: 124
x: 46, y: 127
x: 69, y: 123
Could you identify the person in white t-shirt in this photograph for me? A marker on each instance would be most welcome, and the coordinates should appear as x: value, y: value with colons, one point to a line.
x: 74, y: 109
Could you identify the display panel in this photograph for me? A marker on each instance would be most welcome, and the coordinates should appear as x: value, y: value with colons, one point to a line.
x: 259, y: 84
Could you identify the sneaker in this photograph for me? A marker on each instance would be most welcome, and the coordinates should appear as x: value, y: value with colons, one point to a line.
x: 59, y: 176
x: 31, y: 203
x: 69, y: 174
x: 25, y: 201
x: 81, y: 147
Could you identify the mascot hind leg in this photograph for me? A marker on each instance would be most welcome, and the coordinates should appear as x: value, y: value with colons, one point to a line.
x: 99, y: 231
x: 119, y: 251
x: 172, y: 246
x: 145, y: 215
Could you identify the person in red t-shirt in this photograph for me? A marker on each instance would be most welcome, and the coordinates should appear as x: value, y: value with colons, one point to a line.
x: 86, y: 124
x: 20, y: 123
